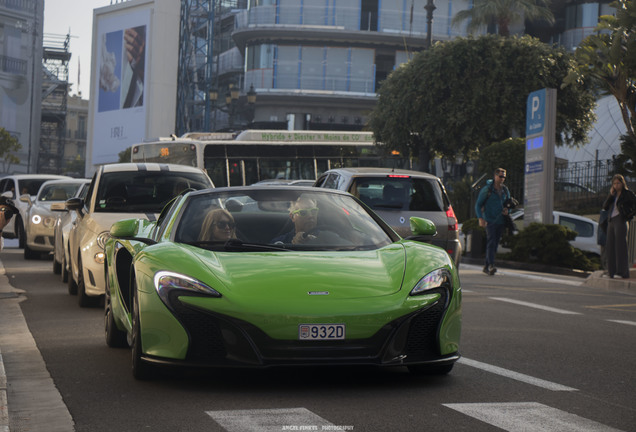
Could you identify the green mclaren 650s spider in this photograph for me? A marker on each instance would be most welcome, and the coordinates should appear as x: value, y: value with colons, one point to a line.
x: 264, y: 276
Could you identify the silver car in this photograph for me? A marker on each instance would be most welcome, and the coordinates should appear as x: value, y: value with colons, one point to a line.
x: 14, y: 186
x: 40, y: 218
x: 396, y: 195
x: 63, y: 225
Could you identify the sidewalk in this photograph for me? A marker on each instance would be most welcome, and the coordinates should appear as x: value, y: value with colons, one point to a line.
x: 593, y: 280
x: 24, y: 379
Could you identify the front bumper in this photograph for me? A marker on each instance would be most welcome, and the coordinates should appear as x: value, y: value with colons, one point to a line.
x: 220, y: 340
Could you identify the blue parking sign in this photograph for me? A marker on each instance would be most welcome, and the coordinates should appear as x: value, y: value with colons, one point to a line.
x: 535, y: 112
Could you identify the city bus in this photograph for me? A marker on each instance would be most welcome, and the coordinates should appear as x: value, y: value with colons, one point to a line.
x: 250, y: 156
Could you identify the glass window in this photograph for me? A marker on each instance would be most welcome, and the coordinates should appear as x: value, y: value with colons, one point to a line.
x: 362, y: 74
x: 582, y: 228
x: 415, y: 194
x: 287, y: 67
x: 312, y: 68
x: 143, y: 191
x: 338, y: 62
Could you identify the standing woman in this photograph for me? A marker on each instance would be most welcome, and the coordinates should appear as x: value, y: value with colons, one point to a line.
x: 621, y: 205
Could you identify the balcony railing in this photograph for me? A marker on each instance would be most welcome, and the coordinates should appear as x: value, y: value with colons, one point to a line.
x: 13, y: 65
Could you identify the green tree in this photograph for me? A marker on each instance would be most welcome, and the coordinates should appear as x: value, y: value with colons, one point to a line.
x: 124, y: 155
x: 607, y: 61
x: 460, y: 96
x: 503, y: 13
x: 9, y: 145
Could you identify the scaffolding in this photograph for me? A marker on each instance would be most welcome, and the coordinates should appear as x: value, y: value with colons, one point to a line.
x: 55, y: 86
x: 195, y: 65
x: 204, y: 45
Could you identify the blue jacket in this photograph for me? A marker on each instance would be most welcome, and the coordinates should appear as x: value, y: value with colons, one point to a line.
x: 490, y: 205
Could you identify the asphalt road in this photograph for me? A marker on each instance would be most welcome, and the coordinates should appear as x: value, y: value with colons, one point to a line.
x: 540, y: 353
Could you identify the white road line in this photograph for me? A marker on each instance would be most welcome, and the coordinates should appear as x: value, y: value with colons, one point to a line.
x: 529, y: 417
x: 623, y: 322
x: 535, y: 306
x: 266, y: 420
x: 515, y: 375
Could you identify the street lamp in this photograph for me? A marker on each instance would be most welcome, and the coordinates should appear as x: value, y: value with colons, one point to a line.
x: 430, y: 7
x: 233, y: 104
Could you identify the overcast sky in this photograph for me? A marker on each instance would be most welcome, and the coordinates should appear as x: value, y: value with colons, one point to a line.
x: 62, y: 17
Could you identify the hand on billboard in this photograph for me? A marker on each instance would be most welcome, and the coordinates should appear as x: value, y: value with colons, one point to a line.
x: 135, y: 43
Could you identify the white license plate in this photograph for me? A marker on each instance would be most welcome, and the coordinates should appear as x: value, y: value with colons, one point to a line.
x: 321, y: 331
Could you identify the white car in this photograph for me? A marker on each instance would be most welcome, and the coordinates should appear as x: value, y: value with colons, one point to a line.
x: 13, y: 187
x: 62, y: 228
x: 119, y: 191
x: 585, y: 228
x: 40, y: 218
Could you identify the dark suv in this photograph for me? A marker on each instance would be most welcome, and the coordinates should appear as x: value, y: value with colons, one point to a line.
x: 396, y: 195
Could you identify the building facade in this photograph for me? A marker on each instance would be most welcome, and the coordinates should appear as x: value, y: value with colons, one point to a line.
x: 21, y: 25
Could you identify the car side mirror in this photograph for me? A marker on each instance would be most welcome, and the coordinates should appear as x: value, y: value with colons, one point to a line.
x: 76, y: 204
x: 422, y: 227
x: 127, y: 229
x: 124, y: 228
x: 26, y: 198
x: 58, y: 206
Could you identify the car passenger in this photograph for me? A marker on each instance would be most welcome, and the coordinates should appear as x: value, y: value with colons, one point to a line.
x: 218, y: 225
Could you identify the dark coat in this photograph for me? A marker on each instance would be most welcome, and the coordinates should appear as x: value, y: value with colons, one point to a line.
x: 626, y: 204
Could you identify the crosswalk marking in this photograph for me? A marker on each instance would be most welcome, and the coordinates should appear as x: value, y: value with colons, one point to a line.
x: 270, y: 420
x: 529, y: 417
x: 623, y: 322
x: 515, y: 375
x: 535, y: 306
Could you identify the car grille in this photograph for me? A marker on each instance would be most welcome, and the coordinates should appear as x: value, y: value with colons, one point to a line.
x: 422, y: 339
x: 206, y: 340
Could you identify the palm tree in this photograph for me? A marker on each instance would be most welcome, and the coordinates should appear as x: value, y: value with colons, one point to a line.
x: 503, y: 13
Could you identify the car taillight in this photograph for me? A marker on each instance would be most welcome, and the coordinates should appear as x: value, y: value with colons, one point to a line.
x: 452, y: 220
x: 398, y: 176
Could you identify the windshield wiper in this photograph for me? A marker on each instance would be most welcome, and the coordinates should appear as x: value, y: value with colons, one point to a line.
x: 393, y: 206
x: 235, y: 245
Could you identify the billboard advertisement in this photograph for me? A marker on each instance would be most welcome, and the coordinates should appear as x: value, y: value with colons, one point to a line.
x: 119, y: 87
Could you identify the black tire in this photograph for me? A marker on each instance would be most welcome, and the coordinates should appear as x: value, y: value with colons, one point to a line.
x: 57, y: 266
x: 20, y: 233
x: 30, y: 254
x: 72, y: 285
x: 63, y: 270
x: 140, y: 369
x: 431, y: 369
x: 115, y: 338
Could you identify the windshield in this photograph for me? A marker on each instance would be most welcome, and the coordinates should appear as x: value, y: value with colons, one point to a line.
x: 275, y: 219
x: 399, y: 192
x: 144, y: 191
x: 30, y: 186
x: 58, y: 192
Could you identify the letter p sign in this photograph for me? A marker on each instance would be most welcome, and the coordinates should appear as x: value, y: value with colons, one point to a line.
x: 535, y: 112
x: 536, y: 104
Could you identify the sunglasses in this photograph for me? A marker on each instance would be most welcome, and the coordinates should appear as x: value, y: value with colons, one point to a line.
x: 305, y: 212
x: 224, y: 225
x: 8, y: 213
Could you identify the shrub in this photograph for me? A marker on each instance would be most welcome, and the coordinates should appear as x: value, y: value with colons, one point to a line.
x: 548, y: 244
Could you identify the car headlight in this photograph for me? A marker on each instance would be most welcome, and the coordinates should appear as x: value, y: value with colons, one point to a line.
x: 168, y: 281
x: 102, y: 238
x: 36, y: 219
x: 435, y: 279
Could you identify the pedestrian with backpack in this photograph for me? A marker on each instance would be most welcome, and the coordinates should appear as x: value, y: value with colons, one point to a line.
x: 491, y: 210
